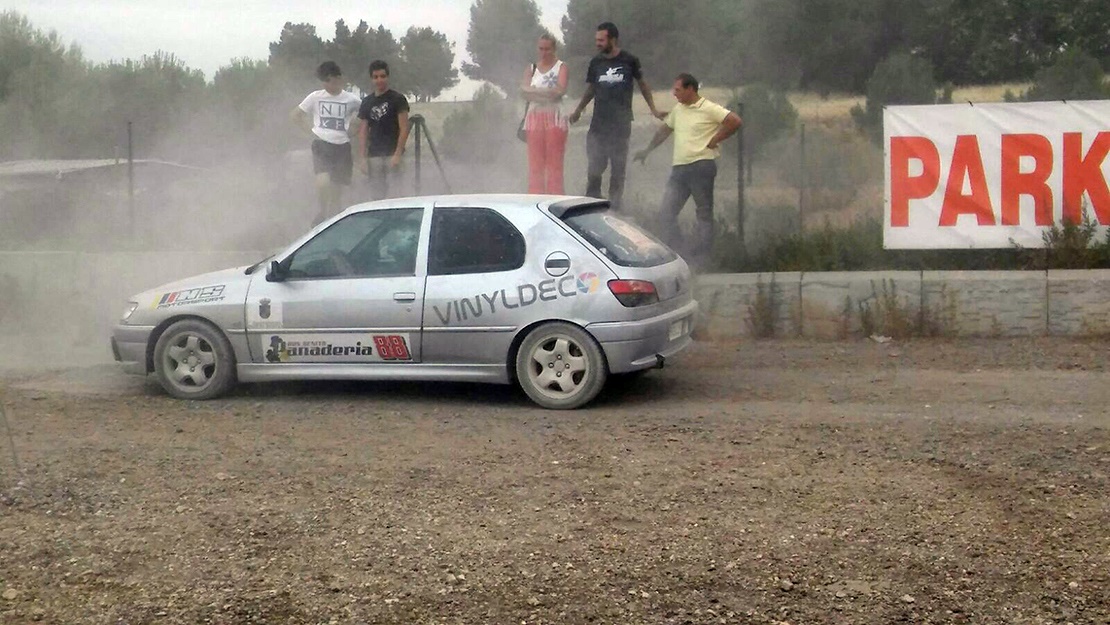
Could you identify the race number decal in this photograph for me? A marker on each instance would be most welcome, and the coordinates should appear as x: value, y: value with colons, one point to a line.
x: 392, y: 347
x: 278, y: 347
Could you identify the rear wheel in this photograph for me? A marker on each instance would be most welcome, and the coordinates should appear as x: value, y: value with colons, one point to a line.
x: 194, y: 360
x: 560, y: 366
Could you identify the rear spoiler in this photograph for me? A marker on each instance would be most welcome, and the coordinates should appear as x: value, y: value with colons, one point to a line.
x: 561, y: 208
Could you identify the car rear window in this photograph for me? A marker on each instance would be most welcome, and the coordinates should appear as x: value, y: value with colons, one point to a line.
x: 621, y: 242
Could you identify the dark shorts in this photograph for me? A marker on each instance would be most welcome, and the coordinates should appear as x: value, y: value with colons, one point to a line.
x: 333, y: 159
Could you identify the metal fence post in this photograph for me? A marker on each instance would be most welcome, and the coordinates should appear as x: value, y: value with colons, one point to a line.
x: 417, y: 124
x: 740, y: 180
x: 802, y: 182
x: 130, y: 180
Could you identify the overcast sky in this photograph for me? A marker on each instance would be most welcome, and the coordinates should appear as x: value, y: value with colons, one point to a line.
x: 207, y: 34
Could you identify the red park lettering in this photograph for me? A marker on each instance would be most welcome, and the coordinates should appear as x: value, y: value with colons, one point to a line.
x: 1082, y: 173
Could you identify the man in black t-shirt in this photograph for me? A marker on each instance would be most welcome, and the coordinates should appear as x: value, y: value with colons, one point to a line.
x: 383, y: 132
x: 609, y: 83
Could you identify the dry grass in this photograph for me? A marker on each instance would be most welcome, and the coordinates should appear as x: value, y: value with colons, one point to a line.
x: 771, y: 190
x: 829, y: 111
x: 987, y: 93
x: 816, y: 109
x: 811, y: 107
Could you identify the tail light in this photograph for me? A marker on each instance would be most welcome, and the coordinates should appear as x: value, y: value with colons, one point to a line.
x: 632, y: 293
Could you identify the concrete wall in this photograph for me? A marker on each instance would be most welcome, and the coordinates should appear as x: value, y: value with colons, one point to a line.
x: 943, y: 303
x: 78, y: 296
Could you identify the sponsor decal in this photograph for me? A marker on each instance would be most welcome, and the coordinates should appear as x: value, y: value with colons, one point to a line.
x: 265, y: 314
x: 336, y: 348
x: 588, y: 282
x: 392, y: 347
x: 611, y: 75
x: 522, y: 297
x: 201, y: 295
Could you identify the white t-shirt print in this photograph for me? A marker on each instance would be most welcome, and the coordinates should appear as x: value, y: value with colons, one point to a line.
x: 331, y: 114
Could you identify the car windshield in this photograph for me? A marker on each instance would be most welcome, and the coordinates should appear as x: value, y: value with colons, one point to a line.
x: 621, y: 242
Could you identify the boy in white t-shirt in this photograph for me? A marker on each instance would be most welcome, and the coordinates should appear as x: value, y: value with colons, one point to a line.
x: 327, y: 114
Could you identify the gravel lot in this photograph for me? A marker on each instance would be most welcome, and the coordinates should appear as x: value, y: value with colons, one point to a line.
x: 759, y: 482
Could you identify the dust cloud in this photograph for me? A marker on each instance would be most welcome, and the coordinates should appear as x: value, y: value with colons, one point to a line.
x: 73, y: 247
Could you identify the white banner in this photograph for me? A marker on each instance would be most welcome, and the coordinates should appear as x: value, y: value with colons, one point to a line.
x: 962, y: 176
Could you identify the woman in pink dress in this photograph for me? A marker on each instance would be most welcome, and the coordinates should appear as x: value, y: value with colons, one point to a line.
x: 544, y: 85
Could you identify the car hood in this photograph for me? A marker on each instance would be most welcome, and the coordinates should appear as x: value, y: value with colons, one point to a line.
x: 226, y: 278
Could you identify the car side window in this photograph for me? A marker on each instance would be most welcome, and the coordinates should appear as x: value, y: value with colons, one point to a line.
x: 473, y: 240
x: 368, y: 244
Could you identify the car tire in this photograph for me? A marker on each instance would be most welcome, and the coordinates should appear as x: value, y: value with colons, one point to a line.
x: 194, y: 360
x: 556, y: 345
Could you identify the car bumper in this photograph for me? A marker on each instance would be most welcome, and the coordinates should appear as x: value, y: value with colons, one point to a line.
x: 634, y: 345
x: 129, y: 347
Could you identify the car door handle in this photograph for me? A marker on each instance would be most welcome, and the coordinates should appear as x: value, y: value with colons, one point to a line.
x: 404, y: 297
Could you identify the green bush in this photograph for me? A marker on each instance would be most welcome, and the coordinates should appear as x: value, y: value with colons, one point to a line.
x: 478, y: 133
x: 1072, y: 245
x: 901, y: 78
x: 768, y: 114
x: 859, y: 247
x: 1075, y: 75
x: 837, y: 165
x: 769, y: 223
x: 762, y: 312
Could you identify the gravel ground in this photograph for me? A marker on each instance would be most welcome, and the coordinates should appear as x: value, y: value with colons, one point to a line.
x: 759, y: 482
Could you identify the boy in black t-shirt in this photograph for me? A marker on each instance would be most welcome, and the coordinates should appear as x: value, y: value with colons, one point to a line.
x: 610, y: 77
x: 383, y: 132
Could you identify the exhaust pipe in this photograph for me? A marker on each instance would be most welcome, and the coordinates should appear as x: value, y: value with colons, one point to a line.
x: 660, y: 361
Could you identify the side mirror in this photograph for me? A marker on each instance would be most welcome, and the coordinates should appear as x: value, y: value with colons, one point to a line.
x: 275, y: 272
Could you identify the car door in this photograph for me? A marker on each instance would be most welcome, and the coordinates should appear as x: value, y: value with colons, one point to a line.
x: 352, y: 294
x: 471, y: 308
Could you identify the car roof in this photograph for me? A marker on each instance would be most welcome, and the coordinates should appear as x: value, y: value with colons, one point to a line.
x: 501, y: 201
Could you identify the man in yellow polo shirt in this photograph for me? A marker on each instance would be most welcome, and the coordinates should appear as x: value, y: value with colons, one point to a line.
x: 699, y: 126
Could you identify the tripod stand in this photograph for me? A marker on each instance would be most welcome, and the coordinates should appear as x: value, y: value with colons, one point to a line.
x: 420, y: 128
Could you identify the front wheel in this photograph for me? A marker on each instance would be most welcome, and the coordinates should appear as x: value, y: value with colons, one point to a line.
x: 194, y: 360
x: 560, y: 366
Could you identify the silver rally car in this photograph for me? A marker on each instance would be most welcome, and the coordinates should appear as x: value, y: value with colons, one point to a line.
x: 552, y: 293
